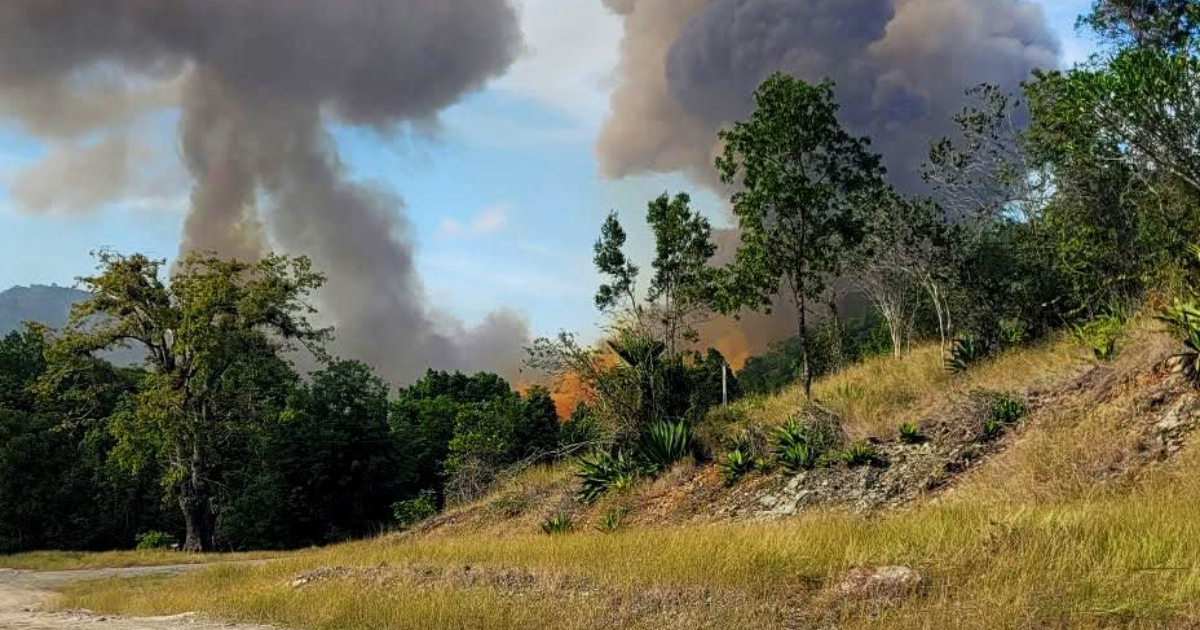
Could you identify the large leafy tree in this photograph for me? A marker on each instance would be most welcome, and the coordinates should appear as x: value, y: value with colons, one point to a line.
x: 197, y: 329
x: 801, y: 179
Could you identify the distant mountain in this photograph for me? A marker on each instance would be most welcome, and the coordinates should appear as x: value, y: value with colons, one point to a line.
x: 49, y: 305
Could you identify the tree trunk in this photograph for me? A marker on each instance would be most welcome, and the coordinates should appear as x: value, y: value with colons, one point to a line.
x: 196, y: 504
x: 806, y: 367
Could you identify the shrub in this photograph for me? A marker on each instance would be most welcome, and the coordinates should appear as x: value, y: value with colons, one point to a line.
x: 1101, y: 336
x: 1185, y: 320
x: 911, y: 434
x: 665, y: 443
x: 155, y: 540
x: 993, y: 428
x: 611, y: 521
x: 797, y: 457
x: 410, y: 512
x: 799, y: 446
x: 966, y: 351
x: 859, y: 454
x: 603, y: 471
x: 1005, y: 411
x: 736, y: 464
x: 558, y: 524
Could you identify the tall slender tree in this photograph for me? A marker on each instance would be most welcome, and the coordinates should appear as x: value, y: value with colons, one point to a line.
x: 801, y: 179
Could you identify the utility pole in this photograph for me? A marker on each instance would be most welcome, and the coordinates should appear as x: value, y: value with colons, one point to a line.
x: 724, y: 386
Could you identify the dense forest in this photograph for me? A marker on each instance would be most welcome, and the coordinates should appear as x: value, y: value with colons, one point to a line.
x: 1071, y: 204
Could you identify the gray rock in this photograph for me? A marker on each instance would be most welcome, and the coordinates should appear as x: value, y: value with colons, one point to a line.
x: 890, y: 582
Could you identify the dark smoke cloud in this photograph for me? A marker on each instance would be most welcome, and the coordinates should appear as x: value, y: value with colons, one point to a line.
x: 257, y: 82
x: 902, y: 67
x: 690, y: 67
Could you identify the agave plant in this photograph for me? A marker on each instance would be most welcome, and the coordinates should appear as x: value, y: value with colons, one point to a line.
x: 611, y: 521
x: 665, y: 443
x: 736, y: 464
x: 859, y: 454
x: 1185, y: 319
x: 603, y: 471
x: 797, y: 457
x: 558, y: 524
x: 966, y: 350
x: 911, y: 433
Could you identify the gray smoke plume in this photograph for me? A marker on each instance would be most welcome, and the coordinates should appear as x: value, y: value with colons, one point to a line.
x: 902, y: 68
x: 257, y: 83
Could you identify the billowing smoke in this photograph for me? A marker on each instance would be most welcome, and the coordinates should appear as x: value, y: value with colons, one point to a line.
x: 258, y: 82
x: 902, y: 68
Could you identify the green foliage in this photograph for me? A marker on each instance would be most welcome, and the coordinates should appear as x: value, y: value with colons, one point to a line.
x: 1004, y: 411
x: 859, y: 454
x: 966, y: 351
x: 800, y: 177
x: 410, y: 512
x: 1100, y: 336
x: 581, y: 429
x: 1184, y: 319
x: 558, y: 524
x: 611, y: 521
x: 155, y: 539
x: 603, y: 471
x: 737, y: 463
x: 665, y: 443
x: 911, y: 434
x: 800, y: 446
x: 854, y: 339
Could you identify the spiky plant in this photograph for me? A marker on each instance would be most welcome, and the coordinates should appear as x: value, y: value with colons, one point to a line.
x: 797, y: 457
x: 665, y: 443
x: 736, y: 464
x: 911, y: 434
x: 965, y: 351
x: 859, y: 454
x: 611, y: 521
x: 558, y: 524
x: 1184, y: 318
x: 603, y: 471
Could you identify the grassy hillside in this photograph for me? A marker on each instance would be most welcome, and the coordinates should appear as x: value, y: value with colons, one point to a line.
x: 1087, y: 515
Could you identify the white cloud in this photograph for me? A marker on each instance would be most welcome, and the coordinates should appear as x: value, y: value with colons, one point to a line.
x: 489, y: 220
x: 571, y: 52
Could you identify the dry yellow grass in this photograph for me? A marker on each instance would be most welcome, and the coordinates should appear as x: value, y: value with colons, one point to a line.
x: 1030, y: 540
x: 874, y: 397
x: 71, y: 560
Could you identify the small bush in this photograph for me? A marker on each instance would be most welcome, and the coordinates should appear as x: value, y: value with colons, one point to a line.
x: 801, y: 446
x: 155, y: 540
x: 665, y: 443
x: 859, y: 454
x: 993, y: 428
x: 611, y: 521
x: 1101, y: 336
x: 1185, y: 320
x: 603, y: 471
x: 558, y: 524
x: 410, y: 512
x: 911, y: 434
x: 966, y: 351
x: 797, y: 457
x: 1006, y: 410
x: 736, y: 464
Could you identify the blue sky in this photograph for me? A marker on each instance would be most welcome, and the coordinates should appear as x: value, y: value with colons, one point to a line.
x: 504, y: 197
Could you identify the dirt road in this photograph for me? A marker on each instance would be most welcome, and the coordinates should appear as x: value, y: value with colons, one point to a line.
x: 23, y: 594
